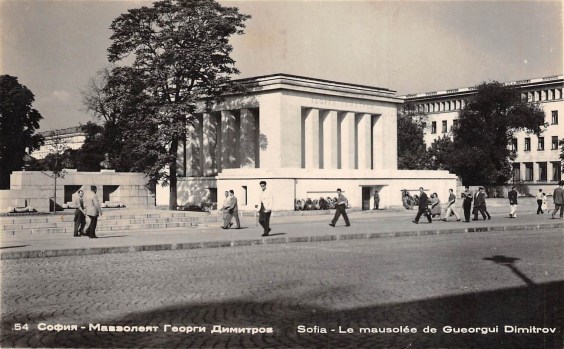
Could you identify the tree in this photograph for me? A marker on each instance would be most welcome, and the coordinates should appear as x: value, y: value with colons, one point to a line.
x: 181, y: 55
x: 486, y: 125
x: 55, y: 162
x: 440, y: 153
x: 412, y: 151
x: 18, y: 123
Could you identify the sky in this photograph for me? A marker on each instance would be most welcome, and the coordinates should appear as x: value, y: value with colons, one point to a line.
x: 55, y: 47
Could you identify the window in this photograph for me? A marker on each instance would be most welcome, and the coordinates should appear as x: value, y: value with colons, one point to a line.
x: 445, y: 126
x: 527, y: 144
x: 529, y: 171
x: 424, y: 125
x: 554, y: 145
x: 455, y: 123
x: 556, y: 174
x: 516, y: 172
x: 244, y: 201
x: 514, y: 144
x: 555, y: 117
x: 542, y: 171
x: 434, y: 127
x: 541, y: 143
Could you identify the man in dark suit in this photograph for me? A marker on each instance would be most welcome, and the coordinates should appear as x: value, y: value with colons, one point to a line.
x: 79, y: 214
x: 467, y: 197
x: 480, y: 205
x: 423, y: 207
x: 512, y: 196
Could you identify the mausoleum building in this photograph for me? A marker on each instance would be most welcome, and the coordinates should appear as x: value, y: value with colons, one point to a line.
x: 306, y: 137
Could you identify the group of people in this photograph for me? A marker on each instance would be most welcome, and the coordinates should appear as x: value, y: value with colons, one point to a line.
x: 429, y: 207
x: 88, y: 205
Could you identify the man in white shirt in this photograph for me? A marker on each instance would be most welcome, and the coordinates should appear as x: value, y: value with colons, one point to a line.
x: 265, y: 208
x: 540, y: 198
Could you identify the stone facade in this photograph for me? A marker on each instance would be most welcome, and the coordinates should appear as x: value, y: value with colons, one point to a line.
x: 305, y: 137
x: 538, y: 164
x: 35, y: 188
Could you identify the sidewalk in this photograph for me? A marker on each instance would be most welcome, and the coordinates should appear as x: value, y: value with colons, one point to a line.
x: 285, y: 229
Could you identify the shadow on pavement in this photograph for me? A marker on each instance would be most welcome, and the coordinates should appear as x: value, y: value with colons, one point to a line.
x: 520, y: 307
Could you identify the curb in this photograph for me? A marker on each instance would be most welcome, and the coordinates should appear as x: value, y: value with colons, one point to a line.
x: 265, y: 241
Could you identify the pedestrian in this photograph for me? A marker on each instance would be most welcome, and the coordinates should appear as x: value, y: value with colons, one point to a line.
x: 512, y: 196
x: 467, y: 197
x: 266, y: 202
x: 540, y: 198
x: 558, y: 197
x: 79, y: 214
x: 544, y: 203
x: 450, y: 206
x: 435, y: 204
x: 233, y: 211
x: 423, y: 207
x: 93, y: 210
x: 225, y: 209
x: 480, y: 205
x: 340, y: 207
x: 376, y: 199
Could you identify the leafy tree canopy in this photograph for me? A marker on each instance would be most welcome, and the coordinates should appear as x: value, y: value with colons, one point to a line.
x: 18, y: 123
x: 486, y: 125
x: 180, y: 54
x: 412, y: 151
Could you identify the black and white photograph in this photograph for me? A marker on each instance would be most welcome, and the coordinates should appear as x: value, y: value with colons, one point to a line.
x: 282, y: 174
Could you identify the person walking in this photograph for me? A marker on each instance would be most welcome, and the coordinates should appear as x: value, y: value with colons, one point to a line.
x: 225, y: 209
x: 423, y: 207
x: 450, y: 206
x: 467, y: 197
x: 512, y: 196
x: 266, y: 202
x: 233, y: 211
x: 558, y: 197
x: 79, y: 214
x: 93, y: 210
x: 540, y: 198
x: 376, y: 199
x: 340, y: 209
x: 480, y: 205
x: 544, y: 204
x: 435, y: 205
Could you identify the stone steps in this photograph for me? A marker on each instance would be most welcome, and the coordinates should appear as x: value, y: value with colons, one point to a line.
x: 60, y: 224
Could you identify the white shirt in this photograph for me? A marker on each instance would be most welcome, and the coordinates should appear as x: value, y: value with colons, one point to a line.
x: 266, y: 199
x: 539, y: 196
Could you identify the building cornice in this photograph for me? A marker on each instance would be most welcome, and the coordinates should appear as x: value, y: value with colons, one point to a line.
x: 466, y: 91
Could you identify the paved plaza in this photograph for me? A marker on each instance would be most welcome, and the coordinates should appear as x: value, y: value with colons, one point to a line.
x: 292, y: 293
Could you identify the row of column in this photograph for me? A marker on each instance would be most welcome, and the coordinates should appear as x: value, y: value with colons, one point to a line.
x: 219, y: 140
x: 537, y: 171
x: 341, y: 140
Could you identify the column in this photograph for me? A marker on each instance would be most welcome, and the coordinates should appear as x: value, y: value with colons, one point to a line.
x: 181, y: 157
x: 364, y: 146
x: 330, y: 143
x: 229, y: 139
x: 248, y: 138
x: 210, y: 137
x: 348, y: 141
x: 311, y: 138
x: 193, y: 146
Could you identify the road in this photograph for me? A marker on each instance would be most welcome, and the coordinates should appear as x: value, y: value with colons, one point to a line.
x: 349, y: 289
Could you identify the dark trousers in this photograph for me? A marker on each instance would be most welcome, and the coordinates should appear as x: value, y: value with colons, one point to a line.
x: 79, y: 222
x: 482, y: 210
x: 91, y: 230
x: 264, y: 219
x: 558, y: 207
x: 467, y: 206
x: 423, y: 211
x: 539, y: 209
x: 340, y: 210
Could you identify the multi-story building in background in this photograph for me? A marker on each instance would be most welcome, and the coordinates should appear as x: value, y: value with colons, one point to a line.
x: 70, y: 137
x: 538, y: 163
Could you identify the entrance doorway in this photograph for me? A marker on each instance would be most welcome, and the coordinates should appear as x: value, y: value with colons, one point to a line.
x: 366, y: 198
